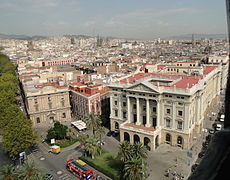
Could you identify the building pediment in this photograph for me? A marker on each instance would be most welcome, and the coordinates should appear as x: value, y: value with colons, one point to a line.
x: 143, y: 87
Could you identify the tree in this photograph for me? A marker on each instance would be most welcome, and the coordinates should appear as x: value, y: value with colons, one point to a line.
x: 100, y: 132
x: 133, y: 170
x: 29, y: 171
x: 133, y: 157
x: 139, y: 150
x: 59, y: 131
x: 83, y: 139
x: 93, y: 121
x: 7, y: 172
x: 91, y: 146
x: 18, y: 136
x: 124, y: 153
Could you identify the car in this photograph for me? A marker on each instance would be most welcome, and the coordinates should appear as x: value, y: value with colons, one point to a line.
x: 222, y: 118
x: 194, y: 166
x: 49, y: 176
x: 201, y: 154
x: 218, y: 127
x: 205, y: 145
x: 211, y: 131
x: 208, y: 138
x: 110, y: 133
x: 116, y: 133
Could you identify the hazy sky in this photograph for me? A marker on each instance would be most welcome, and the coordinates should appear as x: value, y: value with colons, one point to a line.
x: 142, y: 19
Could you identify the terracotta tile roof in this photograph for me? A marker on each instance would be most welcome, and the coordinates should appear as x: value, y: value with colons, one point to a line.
x: 142, y: 127
x: 184, y: 82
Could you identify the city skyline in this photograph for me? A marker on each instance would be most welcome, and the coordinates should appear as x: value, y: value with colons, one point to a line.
x: 130, y: 19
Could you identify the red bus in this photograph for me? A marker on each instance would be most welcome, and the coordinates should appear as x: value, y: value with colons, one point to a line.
x: 78, y: 168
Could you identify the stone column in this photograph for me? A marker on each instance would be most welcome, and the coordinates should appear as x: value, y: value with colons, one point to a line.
x: 148, y: 124
x: 128, y: 110
x: 158, y: 113
x: 138, y: 112
x: 174, y: 114
x: 120, y: 107
x: 111, y: 105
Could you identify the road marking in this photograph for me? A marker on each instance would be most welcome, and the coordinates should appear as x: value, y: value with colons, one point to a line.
x: 64, y: 177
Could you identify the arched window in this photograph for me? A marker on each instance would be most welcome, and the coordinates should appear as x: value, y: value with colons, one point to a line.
x: 136, y: 138
x: 147, y: 143
x: 116, y: 125
x: 38, y: 120
x: 168, y: 138
x: 126, y: 137
x: 180, y: 141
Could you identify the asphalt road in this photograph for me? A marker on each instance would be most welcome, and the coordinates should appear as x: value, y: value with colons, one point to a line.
x: 55, y: 164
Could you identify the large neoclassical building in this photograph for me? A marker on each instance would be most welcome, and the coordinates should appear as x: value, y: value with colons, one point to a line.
x: 165, y: 106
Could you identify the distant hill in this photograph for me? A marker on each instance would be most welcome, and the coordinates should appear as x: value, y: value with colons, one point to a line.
x: 197, y: 36
x: 21, y: 37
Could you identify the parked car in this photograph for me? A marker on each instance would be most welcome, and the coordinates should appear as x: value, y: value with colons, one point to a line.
x: 201, y: 154
x: 194, y: 166
x: 218, y: 127
x: 211, y: 131
x: 222, y: 118
x: 110, y: 133
x: 205, y: 144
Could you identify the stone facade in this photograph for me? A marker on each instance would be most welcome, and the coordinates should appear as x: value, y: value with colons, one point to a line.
x: 156, y: 108
x: 47, y: 103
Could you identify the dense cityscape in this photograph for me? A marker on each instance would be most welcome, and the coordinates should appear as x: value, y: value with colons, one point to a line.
x: 163, y: 99
x: 114, y: 90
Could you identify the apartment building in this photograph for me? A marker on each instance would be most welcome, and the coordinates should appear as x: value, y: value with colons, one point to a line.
x: 157, y: 108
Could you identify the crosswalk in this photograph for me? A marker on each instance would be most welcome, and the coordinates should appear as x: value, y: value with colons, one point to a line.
x: 65, y: 177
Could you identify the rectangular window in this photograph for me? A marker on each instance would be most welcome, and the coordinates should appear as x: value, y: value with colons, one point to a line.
x: 63, y: 115
x: 50, y: 105
x: 62, y: 103
x: 168, y: 123
x: 154, y: 109
x: 116, y: 112
x: 124, y: 103
x: 124, y: 114
x: 134, y: 118
x: 144, y: 120
x: 144, y: 108
x: 179, y: 125
x: 49, y: 99
x: 134, y: 106
x: 180, y: 113
x: 36, y: 107
x: 115, y: 102
x: 168, y: 111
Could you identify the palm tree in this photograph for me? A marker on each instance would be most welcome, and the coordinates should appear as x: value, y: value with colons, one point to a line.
x: 100, y: 132
x: 133, y: 169
x: 93, y: 121
x: 82, y: 139
x: 91, y: 146
x: 7, y: 172
x: 29, y: 171
x: 124, y: 153
x: 139, y: 150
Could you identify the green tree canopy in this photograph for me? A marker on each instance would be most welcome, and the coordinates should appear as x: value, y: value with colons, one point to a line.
x: 18, y: 135
x: 59, y: 131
